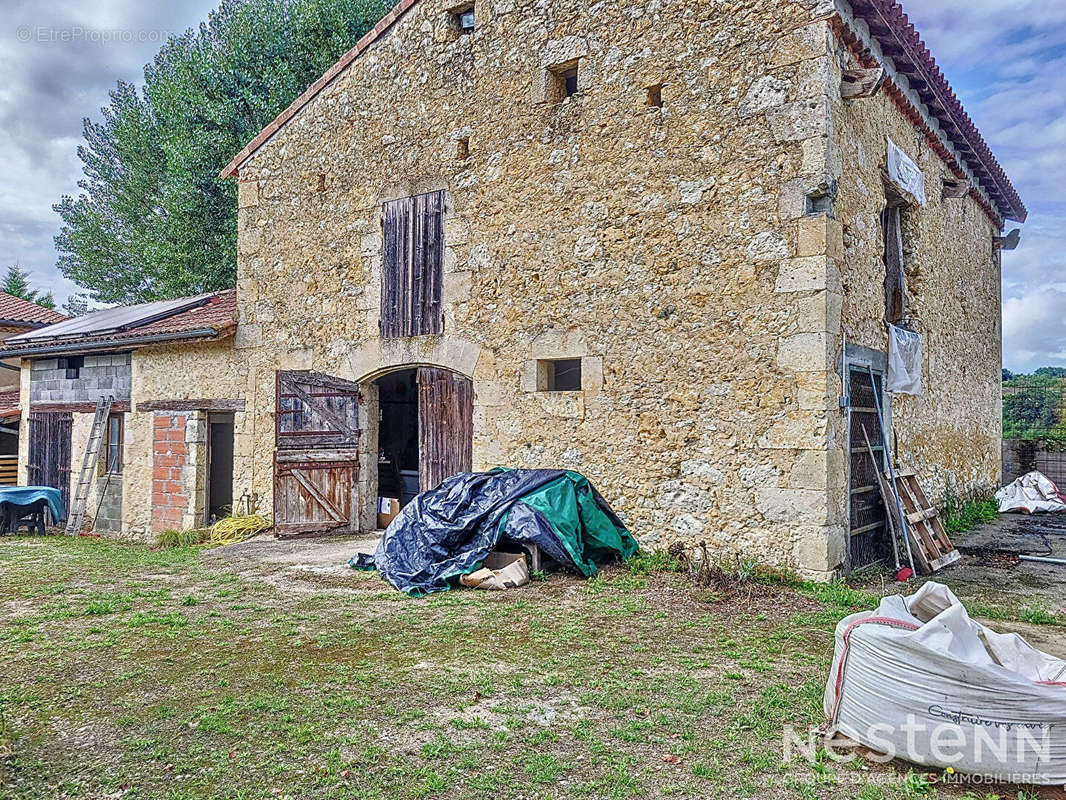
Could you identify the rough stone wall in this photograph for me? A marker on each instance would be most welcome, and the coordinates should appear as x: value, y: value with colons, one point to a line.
x: 669, y: 248
x: 950, y: 434
x: 100, y: 376
x: 183, y: 371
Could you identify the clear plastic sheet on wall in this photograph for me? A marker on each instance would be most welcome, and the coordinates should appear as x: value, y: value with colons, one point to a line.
x: 905, y: 174
x: 904, y: 361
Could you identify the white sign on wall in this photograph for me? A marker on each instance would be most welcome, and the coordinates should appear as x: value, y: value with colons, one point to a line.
x: 905, y: 174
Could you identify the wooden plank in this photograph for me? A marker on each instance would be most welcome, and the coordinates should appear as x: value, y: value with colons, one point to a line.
x: 223, y: 405
x: 936, y: 525
x: 910, y: 506
x: 342, y: 424
x: 921, y: 516
x: 862, y: 82
x: 895, y: 282
x: 946, y: 559
x: 305, y: 481
x: 412, y: 266
x: 77, y: 408
x: 925, y: 525
x: 316, y: 456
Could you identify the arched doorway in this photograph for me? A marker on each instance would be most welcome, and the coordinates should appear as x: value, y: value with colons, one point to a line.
x: 424, y: 430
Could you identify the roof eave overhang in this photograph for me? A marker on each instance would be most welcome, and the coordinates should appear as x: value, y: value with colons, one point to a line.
x: 21, y: 323
x: 114, y: 345
x: 882, y: 35
x: 232, y: 169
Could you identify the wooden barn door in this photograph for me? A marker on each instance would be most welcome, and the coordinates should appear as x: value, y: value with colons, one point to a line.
x: 48, y: 460
x: 445, y: 425
x: 316, y: 456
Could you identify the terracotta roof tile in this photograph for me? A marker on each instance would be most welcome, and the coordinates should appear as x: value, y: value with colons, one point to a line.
x: 15, y: 310
x: 9, y: 404
x: 900, y: 40
x: 216, y: 316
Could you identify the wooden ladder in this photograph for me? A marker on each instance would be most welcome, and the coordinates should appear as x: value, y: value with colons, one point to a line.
x: 88, y: 465
x: 934, y: 549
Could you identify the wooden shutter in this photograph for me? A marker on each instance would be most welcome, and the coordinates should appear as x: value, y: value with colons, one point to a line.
x: 48, y: 459
x: 413, y: 266
x: 895, y: 283
x: 445, y: 425
x: 316, y: 458
x: 316, y: 411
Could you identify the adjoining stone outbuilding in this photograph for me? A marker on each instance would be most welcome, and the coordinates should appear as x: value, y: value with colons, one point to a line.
x: 646, y: 242
x: 165, y: 457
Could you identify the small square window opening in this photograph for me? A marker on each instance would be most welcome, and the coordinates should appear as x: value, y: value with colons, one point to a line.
x: 568, y: 81
x: 465, y: 19
x: 563, y: 80
x: 655, y: 96
x: 462, y: 148
x: 560, y: 375
x: 72, y: 366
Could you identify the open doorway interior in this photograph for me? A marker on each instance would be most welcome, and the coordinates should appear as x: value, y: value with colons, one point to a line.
x: 219, y: 467
x: 398, y: 436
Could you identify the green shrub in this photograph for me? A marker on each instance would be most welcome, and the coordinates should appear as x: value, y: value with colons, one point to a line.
x: 189, y: 538
x: 967, y: 515
x: 645, y: 562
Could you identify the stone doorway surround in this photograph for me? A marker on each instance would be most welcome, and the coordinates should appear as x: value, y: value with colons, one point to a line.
x: 374, y: 358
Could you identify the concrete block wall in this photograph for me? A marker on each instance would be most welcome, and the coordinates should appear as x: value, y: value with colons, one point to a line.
x: 99, y: 376
x: 108, y: 503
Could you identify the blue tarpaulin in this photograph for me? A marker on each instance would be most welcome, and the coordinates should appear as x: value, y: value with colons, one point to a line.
x: 28, y: 495
x: 447, y: 532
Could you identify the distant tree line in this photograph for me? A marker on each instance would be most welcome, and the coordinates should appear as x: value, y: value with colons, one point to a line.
x: 153, y: 220
x: 1034, y: 405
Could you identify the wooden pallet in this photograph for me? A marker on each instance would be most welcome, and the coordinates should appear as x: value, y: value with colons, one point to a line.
x: 930, y: 545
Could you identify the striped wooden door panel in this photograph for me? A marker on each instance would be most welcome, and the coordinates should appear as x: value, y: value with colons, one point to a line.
x: 413, y: 266
x: 445, y: 425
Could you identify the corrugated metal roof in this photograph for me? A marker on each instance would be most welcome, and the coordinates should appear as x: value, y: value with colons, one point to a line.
x: 112, y: 320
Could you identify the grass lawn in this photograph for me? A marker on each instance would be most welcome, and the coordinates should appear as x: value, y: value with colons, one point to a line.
x: 137, y: 673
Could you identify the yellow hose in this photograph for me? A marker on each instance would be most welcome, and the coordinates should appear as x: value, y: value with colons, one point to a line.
x: 231, y: 530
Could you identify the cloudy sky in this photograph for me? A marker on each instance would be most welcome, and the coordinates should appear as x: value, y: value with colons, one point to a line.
x: 1005, y: 58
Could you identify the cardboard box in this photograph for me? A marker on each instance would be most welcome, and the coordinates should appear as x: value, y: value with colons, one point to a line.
x: 388, y: 508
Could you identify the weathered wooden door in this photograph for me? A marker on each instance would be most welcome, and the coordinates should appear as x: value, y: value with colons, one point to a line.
x: 445, y: 425
x: 412, y: 267
x: 869, y: 540
x: 48, y: 459
x: 316, y: 456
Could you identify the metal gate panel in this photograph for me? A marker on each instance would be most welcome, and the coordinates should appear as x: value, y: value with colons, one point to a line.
x: 48, y: 457
x: 867, y: 518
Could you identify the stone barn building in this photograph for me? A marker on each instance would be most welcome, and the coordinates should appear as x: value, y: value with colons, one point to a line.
x: 655, y: 243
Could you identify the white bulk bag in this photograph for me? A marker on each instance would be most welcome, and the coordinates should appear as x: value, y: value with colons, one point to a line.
x: 1032, y: 492
x: 919, y: 680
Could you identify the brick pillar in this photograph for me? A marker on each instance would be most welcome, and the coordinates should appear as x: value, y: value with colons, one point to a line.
x: 169, y: 455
